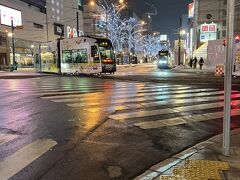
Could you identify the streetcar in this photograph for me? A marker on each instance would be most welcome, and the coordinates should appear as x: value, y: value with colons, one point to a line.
x: 81, y: 55
x: 107, y: 55
x: 164, y: 60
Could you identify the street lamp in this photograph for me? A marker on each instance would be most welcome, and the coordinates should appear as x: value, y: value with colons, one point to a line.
x: 13, y: 45
x: 181, y: 33
x: 92, y: 3
x: 10, y: 34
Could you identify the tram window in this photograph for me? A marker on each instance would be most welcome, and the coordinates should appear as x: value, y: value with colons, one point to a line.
x: 67, y: 56
x: 106, y: 53
x: 80, y: 56
x: 94, y: 54
x: 76, y: 56
x: 83, y: 55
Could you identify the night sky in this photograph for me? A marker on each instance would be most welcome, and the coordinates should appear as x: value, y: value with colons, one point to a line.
x: 169, y: 12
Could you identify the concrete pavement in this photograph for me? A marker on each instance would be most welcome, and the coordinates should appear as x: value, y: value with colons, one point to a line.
x: 21, y: 74
x: 209, y: 151
x: 116, y: 129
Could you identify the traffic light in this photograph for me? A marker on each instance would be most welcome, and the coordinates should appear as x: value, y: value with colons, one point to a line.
x: 237, y: 39
x: 224, y: 42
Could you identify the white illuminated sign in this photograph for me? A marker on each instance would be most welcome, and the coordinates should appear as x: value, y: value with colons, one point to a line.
x: 8, y: 14
x: 163, y: 37
x: 72, y: 32
x: 208, y: 32
x: 191, y: 10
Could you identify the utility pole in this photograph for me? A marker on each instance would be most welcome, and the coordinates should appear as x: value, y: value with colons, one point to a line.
x: 179, y: 42
x: 47, y: 24
x: 13, y: 46
x: 228, y: 78
x: 77, y: 25
x: 94, y: 26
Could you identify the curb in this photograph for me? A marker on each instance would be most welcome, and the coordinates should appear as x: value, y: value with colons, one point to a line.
x: 163, y: 166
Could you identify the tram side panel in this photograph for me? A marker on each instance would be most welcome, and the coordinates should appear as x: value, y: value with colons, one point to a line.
x: 79, y: 55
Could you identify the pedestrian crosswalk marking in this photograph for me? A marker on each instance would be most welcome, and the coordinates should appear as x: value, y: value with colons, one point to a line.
x: 135, y: 100
x: 186, y: 108
x: 4, y: 138
x: 120, y: 94
x: 183, y: 120
x: 23, y: 157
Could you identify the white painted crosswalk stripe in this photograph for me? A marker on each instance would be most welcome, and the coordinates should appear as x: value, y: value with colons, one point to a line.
x: 138, y: 114
x: 183, y: 120
x: 23, y: 157
x: 4, y: 138
x: 121, y: 94
x: 135, y: 100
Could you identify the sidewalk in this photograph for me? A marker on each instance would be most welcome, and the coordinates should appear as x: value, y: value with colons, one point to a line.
x: 21, y: 74
x: 202, y: 161
x: 136, y: 65
x: 188, y: 69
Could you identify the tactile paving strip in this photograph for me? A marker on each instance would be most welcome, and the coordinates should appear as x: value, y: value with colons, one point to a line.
x: 198, y: 170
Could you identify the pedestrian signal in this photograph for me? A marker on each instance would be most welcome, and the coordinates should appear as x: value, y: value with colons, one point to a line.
x: 237, y: 38
x: 224, y: 42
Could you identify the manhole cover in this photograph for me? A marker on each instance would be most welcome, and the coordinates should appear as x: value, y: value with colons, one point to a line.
x: 114, y: 171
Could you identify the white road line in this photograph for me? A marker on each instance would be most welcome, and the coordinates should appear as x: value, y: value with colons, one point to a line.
x: 138, y: 114
x: 186, y: 108
x: 121, y: 94
x: 134, y: 100
x: 145, y: 96
x: 23, y: 157
x: 4, y: 138
x: 183, y: 120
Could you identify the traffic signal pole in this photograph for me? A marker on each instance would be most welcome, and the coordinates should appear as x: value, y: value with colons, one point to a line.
x: 179, y: 42
x: 228, y: 78
x: 13, y: 47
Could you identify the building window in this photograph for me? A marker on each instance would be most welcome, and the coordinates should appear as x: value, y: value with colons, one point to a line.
x: 224, y: 23
x: 224, y: 13
x: 39, y: 26
x: 223, y: 34
x: 80, y: 6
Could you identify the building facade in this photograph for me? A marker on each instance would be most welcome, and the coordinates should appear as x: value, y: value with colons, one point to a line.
x: 41, y: 21
x: 94, y: 20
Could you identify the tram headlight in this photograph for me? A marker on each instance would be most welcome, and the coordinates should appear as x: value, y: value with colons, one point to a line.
x: 162, y: 62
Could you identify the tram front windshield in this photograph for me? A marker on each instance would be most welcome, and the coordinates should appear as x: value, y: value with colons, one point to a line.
x: 106, y: 52
x: 163, y: 56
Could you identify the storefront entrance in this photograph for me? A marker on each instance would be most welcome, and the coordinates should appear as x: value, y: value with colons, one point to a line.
x: 25, y: 54
x: 3, y: 61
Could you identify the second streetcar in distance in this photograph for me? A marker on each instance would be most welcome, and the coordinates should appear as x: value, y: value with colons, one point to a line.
x: 164, y: 60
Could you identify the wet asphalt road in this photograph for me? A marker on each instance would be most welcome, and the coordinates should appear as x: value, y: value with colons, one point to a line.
x: 104, y: 128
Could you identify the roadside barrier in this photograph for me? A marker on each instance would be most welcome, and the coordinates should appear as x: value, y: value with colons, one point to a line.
x: 219, y: 71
